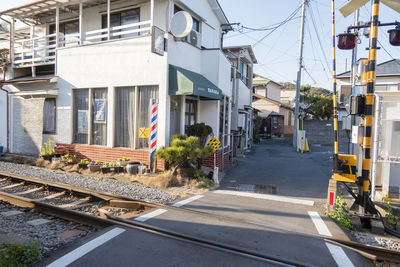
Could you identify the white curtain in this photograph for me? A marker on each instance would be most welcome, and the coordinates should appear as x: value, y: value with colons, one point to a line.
x: 125, y: 117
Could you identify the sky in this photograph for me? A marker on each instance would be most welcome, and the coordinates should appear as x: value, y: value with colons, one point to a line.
x: 277, y: 53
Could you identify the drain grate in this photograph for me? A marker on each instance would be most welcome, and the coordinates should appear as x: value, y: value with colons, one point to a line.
x: 257, y: 188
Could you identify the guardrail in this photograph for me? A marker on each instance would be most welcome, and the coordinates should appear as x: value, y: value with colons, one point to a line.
x: 41, y: 50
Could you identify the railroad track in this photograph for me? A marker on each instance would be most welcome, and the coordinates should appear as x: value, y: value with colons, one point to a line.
x: 103, y: 210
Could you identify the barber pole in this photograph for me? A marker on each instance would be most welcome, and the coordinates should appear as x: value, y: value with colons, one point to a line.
x: 153, y: 131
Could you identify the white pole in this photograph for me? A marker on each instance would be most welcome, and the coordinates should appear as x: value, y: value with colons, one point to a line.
x: 108, y: 20
x: 33, y: 68
x: 375, y: 147
x: 12, y: 31
x: 151, y: 13
x: 80, y: 23
x: 57, y: 25
x: 353, y: 74
x: 296, y: 112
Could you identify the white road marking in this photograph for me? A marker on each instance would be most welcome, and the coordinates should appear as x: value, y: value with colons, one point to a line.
x: 267, y: 196
x: 86, y: 248
x: 29, y: 191
x: 319, y: 223
x: 186, y: 201
x: 150, y: 215
x: 157, y: 212
x: 75, y: 203
x: 337, y: 252
x: 50, y: 196
x: 339, y: 256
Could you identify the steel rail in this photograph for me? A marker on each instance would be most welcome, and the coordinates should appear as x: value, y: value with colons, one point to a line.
x: 371, y: 252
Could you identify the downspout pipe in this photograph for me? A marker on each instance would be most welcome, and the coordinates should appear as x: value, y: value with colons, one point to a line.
x: 4, y: 68
x: 375, y: 146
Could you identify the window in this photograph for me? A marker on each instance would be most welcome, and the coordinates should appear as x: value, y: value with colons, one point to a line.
x: 68, y: 27
x: 94, y: 115
x: 132, y: 116
x: 81, y: 116
x: 190, y: 112
x: 275, y: 121
x: 99, y: 116
x: 49, y: 116
x: 121, y: 18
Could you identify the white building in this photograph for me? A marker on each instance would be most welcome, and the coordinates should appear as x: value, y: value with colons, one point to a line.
x: 387, y: 140
x: 87, y: 73
x: 242, y: 59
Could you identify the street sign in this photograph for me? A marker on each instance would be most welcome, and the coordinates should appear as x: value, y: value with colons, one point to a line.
x: 215, y: 143
x: 144, y: 132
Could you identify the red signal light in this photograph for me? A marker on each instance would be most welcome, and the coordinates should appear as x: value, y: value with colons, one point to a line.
x: 346, y: 41
x: 394, y: 37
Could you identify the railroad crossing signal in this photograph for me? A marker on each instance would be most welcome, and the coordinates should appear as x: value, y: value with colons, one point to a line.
x: 356, y: 4
x: 215, y: 143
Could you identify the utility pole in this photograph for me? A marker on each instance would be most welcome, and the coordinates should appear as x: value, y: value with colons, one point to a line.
x: 296, y: 111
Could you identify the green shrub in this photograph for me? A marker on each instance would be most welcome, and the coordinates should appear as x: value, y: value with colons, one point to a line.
x: 341, y: 213
x: 183, y: 151
x: 194, y: 173
x: 200, y: 130
x: 15, y: 255
x: 390, y: 217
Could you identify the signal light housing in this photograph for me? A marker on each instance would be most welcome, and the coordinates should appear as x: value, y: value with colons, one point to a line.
x: 394, y: 36
x: 347, y: 41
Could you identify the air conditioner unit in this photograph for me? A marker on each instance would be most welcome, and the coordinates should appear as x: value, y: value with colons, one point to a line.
x: 194, y: 38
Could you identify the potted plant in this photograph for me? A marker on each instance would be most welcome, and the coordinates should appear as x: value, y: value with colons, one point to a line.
x: 84, y: 163
x: 47, y: 150
x: 106, y: 167
x: 133, y: 167
x: 94, y: 166
x: 73, y: 161
x: 123, y: 161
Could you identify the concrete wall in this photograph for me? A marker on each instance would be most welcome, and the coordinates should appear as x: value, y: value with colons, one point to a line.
x: 287, y: 96
x: 244, y: 96
x: 321, y: 132
x: 265, y: 107
x: 26, y: 125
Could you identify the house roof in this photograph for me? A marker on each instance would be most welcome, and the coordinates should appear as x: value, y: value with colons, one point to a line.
x: 387, y: 68
x: 261, y: 80
x: 279, y: 104
x: 216, y: 7
x: 240, y: 49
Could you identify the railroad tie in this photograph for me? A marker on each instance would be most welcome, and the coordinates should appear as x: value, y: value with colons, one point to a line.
x: 75, y: 203
x: 50, y: 196
x: 12, y: 186
x: 28, y: 191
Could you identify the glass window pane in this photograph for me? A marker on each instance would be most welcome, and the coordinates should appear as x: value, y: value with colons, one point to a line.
x: 49, y: 115
x: 146, y: 93
x: 99, y: 116
x: 124, y: 117
x: 81, y: 116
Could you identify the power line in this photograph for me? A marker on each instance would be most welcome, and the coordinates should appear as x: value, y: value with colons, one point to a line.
x: 279, y: 25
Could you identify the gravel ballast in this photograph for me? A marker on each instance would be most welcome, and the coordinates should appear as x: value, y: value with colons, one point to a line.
x: 133, y: 190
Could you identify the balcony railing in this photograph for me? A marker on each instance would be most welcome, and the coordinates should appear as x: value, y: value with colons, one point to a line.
x: 42, y: 50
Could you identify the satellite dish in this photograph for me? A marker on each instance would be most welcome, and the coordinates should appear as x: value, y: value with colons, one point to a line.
x: 181, y: 24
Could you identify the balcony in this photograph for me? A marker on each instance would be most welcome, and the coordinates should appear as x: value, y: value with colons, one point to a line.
x: 41, y: 50
x: 58, y: 24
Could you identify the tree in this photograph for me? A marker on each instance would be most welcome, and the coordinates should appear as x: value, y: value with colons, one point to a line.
x: 184, y: 151
x: 3, y: 55
x: 320, y: 100
x: 201, y: 130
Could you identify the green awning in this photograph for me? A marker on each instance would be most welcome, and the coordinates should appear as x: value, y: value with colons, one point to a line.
x: 186, y: 82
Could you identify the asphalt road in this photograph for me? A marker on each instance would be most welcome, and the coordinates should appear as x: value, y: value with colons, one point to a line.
x: 275, y: 163
x: 270, y: 195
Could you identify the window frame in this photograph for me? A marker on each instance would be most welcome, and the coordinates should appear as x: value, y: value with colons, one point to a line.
x: 90, y: 116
